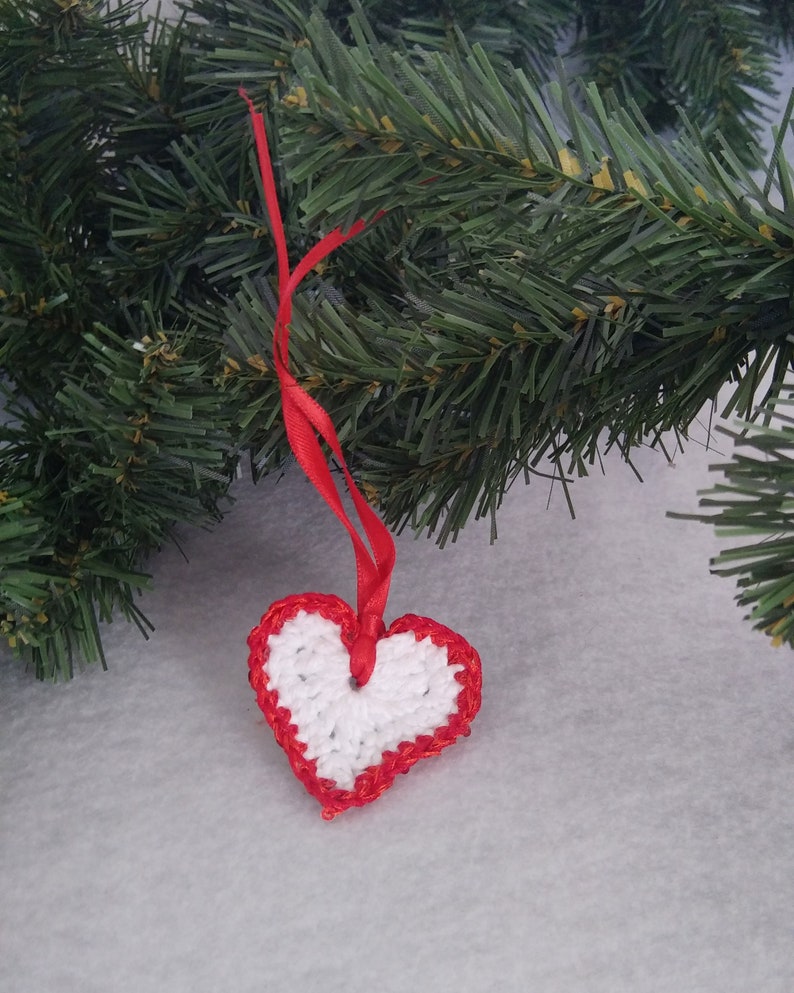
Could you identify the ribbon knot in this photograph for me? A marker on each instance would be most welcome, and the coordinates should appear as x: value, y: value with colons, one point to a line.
x: 306, y: 421
x: 362, y: 653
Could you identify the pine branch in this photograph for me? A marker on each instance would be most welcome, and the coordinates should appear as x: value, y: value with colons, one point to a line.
x: 549, y: 279
x: 105, y: 469
x: 590, y: 279
x: 105, y: 447
x: 755, y: 504
x: 778, y: 16
x: 709, y: 57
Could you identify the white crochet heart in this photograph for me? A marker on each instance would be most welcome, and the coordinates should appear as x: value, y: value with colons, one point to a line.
x: 346, y: 728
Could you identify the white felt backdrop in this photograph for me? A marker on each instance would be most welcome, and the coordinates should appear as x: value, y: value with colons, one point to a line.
x: 620, y: 821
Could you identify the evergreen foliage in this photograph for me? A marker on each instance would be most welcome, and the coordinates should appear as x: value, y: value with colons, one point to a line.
x: 550, y: 277
x: 755, y: 503
x: 114, y: 428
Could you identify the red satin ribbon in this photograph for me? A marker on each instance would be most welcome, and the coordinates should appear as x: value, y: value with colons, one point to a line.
x: 305, y: 420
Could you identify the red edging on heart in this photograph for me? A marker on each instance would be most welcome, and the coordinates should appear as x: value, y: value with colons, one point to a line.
x: 371, y: 783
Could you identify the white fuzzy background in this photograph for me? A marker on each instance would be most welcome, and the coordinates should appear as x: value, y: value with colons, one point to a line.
x: 620, y: 821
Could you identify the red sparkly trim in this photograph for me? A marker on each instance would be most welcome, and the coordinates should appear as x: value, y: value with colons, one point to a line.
x: 373, y: 781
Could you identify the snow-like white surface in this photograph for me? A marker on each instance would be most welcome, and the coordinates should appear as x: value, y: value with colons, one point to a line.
x: 620, y: 821
x: 347, y: 728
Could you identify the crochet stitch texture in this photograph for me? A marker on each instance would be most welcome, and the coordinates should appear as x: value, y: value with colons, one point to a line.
x: 347, y: 743
x: 347, y: 728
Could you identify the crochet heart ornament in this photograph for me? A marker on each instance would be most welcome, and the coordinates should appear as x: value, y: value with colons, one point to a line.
x: 345, y: 742
x: 351, y: 703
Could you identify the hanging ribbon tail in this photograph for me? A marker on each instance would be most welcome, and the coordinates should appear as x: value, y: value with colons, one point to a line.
x: 307, y: 422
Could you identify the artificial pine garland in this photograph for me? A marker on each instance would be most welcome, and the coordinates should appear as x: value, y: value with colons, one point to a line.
x: 551, y: 278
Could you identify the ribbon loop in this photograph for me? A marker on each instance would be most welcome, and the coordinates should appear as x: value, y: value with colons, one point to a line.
x: 306, y: 422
